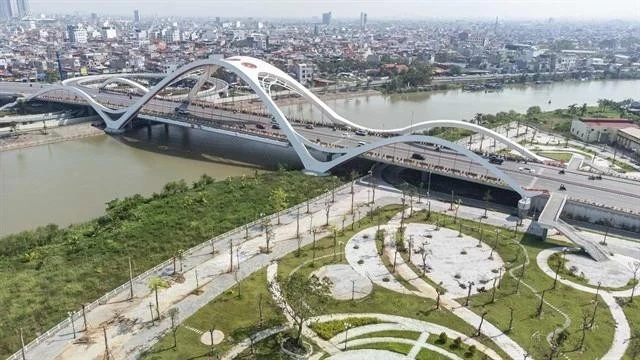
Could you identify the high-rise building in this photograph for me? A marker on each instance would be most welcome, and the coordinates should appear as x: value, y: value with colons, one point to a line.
x: 363, y: 20
x: 23, y: 8
x: 5, y: 9
x: 136, y: 16
x: 326, y: 18
x: 14, y: 9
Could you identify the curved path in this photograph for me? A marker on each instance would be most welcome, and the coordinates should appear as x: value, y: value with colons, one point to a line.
x: 622, y: 330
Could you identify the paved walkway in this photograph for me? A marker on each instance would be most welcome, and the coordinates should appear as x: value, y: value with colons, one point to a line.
x: 622, y: 330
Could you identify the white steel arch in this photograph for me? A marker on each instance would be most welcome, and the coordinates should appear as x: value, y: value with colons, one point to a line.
x: 124, y: 81
x: 260, y: 76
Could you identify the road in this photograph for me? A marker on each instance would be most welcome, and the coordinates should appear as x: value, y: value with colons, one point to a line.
x: 610, y: 191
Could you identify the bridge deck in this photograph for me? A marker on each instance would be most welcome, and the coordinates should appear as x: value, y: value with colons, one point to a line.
x: 550, y: 218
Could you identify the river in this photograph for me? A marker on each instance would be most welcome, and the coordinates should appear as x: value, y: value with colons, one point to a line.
x: 397, y: 110
x: 70, y: 181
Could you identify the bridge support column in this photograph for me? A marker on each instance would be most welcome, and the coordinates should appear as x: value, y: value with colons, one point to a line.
x: 524, y: 205
x: 166, y: 128
x: 112, y: 131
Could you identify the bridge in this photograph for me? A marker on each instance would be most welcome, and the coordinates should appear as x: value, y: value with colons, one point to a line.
x: 320, y: 146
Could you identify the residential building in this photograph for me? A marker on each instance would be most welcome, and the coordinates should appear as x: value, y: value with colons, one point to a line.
x: 629, y: 138
x: 598, y: 130
x: 77, y: 34
x: 304, y: 73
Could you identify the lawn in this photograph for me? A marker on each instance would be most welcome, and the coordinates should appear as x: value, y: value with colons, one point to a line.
x: 559, y: 156
x: 526, y: 321
x: 236, y: 313
x: 632, y: 311
x: 48, y: 271
x: 399, y: 348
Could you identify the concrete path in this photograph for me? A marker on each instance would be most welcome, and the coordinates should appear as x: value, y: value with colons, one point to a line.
x: 419, y: 344
x: 622, y: 330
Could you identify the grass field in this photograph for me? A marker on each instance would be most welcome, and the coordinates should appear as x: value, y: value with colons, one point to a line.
x: 559, y: 156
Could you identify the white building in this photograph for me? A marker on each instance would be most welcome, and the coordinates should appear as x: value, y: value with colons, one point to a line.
x: 77, y: 34
x: 108, y: 33
x: 304, y: 73
x: 598, y: 130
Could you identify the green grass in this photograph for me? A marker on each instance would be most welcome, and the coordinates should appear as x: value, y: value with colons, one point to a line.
x: 235, y: 313
x: 48, y: 271
x: 329, y: 329
x: 559, y: 156
x: 403, y: 349
x: 525, y: 303
x: 402, y: 334
x: 632, y: 312
x: 426, y: 354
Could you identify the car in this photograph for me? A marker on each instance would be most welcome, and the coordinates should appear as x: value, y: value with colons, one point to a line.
x: 308, y: 126
x: 260, y: 126
x: 182, y: 111
x: 527, y: 169
x: 361, y: 132
x: 496, y: 160
x: 346, y: 134
x: 417, y: 156
x: 361, y: 143
x: 275, y: 126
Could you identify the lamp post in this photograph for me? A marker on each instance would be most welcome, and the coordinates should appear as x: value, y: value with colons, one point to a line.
x: 346, y: 334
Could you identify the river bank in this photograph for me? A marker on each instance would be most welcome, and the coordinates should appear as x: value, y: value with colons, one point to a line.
x: 54, y: 135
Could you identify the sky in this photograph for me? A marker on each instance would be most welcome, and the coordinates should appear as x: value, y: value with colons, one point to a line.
x: 382, y: 9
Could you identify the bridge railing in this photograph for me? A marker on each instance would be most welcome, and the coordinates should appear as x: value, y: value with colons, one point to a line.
x: 77, y: 315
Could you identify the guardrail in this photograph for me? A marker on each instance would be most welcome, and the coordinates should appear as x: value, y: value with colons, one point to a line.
x: 76, y: 315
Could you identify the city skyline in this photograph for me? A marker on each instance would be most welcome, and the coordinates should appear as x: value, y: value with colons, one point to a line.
x: 403, y: 9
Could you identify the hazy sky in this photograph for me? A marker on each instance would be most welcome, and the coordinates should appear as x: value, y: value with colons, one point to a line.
x: 506, y: 9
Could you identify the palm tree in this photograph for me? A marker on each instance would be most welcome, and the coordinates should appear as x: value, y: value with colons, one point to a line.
x: 583, y: 109
x: 156, y: 283
x: 458, y: 202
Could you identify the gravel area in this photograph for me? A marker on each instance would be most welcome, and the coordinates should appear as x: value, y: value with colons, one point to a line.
x: 346, y: 282
x: 453, y: 261
x: 613, y: 273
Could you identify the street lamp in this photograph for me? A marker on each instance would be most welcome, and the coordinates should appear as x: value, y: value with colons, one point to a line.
x: 346, y: 334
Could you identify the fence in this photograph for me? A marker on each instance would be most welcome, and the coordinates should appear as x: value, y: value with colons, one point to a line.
x: 111, y: 294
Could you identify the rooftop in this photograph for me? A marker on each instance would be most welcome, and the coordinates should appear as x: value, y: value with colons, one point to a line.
x: 632, y: 131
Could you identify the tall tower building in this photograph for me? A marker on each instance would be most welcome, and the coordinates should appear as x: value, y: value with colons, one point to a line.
x: 23, y: 8
x: 326, y: 18
x: 14, y: 9
x: 5, y: 9
x: 136, y: 16
x: 363, y: 20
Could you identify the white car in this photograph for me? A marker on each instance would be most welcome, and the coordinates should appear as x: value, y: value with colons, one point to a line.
x: 346, y: 134
x: 527, y: 169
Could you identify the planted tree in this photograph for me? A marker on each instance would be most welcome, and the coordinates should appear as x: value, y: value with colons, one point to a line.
x: 278, y: 199
x: 302, y: 298
x: 156, y: 283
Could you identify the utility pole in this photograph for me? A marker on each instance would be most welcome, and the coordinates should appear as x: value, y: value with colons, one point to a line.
x: 22, y: 345
x: 106, y: 343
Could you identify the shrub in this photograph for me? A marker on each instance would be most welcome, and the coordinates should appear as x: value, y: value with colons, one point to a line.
x: 329, y: 329
x: 442, y: 338
x: 360, y: 262
x: 470, y: 351
x: 457, y: 343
